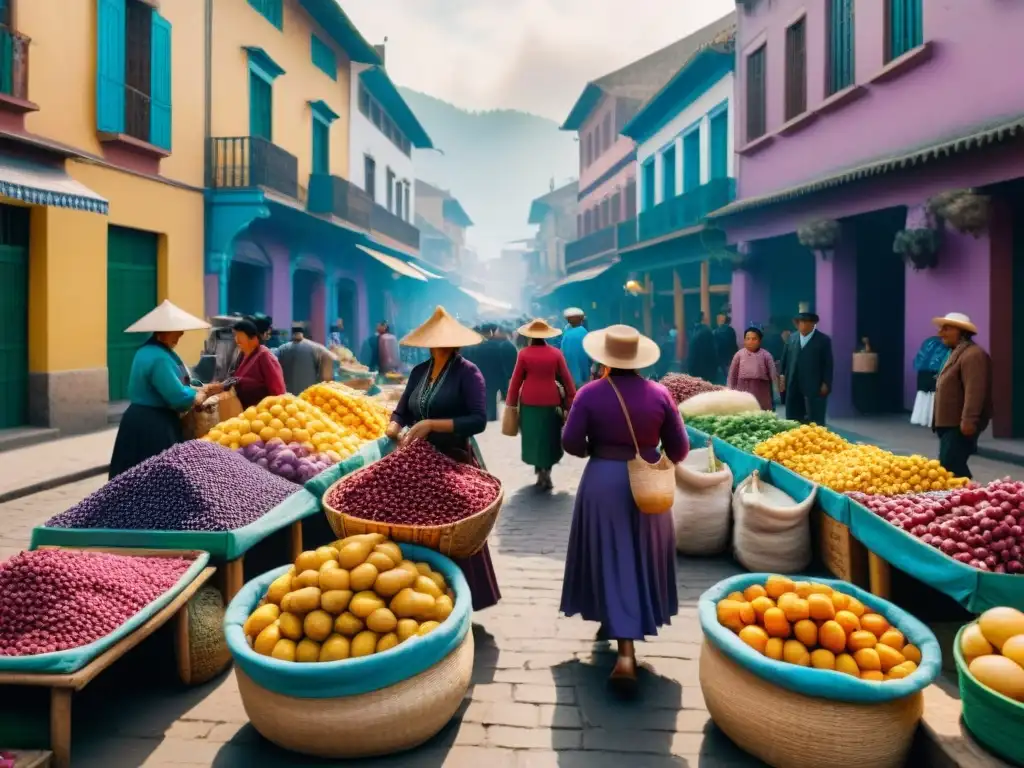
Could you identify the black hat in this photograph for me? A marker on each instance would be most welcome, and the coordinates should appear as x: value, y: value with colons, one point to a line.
x: 807, y: 316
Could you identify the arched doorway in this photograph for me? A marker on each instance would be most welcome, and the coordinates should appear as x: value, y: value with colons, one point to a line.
x: 346, y: 310
x: 309, y: 302
x: 248, y: 280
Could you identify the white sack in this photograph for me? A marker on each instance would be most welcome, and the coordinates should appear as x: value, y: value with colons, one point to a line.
x: 772, y: 532
x: 724, y: 402
x: 702, y: 509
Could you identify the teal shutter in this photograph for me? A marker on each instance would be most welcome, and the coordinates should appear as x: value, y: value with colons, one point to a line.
x: 719, y: 149
x: 323, y: 57
x: 906, y: 26
x: 668, y: 174
x: 261, y: 107
x: 160, y: 83
x: 321, y: 147
x: 647, y: 198
x: 691, y: 161
x: 841, y: 45
x: 110, y: 65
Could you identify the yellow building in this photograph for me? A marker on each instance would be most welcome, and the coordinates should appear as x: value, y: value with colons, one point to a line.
x: 101, y: 213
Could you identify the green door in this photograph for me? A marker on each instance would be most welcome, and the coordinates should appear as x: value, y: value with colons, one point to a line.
x: 131, y: 293
x: 13, y: 336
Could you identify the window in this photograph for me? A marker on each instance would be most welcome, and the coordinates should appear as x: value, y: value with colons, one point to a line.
x: 668, y: 173
x: 719, y: 145
x: 370, y: 177
x: 579, y: 223
x: 375, y: 113
x: 691, y: 160
x: 597, y: 142
x: 606, y: 213
x: 587, y: 222
x: 390, y: 176
x: 631, y: 199
x: 364, y: 100
x: 589, y: 141
x: 321, y: 146
x: 647, y: 180
x: 757, y: 119
x: 905, y: 27
x: 607, y: 131
x: 796, y: 69
x: 271, y: 10
x: 261, y: 107
x: 400, y: 201
x: 323, y: 57
x: 840, y: 45
x: 616, y: 208
x: 408, y: 201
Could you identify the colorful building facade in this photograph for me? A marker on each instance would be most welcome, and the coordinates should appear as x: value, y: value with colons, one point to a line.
x: 852, y: 129
x: 556, y: 217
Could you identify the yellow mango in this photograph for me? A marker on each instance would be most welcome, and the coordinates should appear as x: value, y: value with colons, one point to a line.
x: 308, y: 578
x: 846, y: 664
x: 307, y: 651
x: 806, y: 631
x: 363, y: 577
x: 387, y: 642
x: 407, y: 628
x: 776, y: 586
x: 822, y: 658
x: 390, y: 583
x: 279, y: 587
x: 318, y: 625
x: 335, y: 578
x: 364, y: 603
x: 303, y: 600
x: 306, y: 561
x: 427, y: 586
x: 794, y: 652
x: 284, y: 650
x: 380, y: 561
x: 755, y: 637
x: 291, y: 626
x: 427, y: 627
x: 1000, y: 624
x: 336, y: 601
x: 409, y: 604
x: 423, y: 568
x: 335, y: 648
x: 438, y: 578
x: 888, y: 657
x: 364, y: 644
x: 735, y: 614
x: 329, y: 565
x: 1013, y: 649
x: 392, y: 550
x: 868, y: 660
x: 443, y: 608
x: 260, y: 619
x: 832, y: 636
x: 326, y: 554
x: 267, y: 639
x: 348, y: 625
x: 354, y: 553
x: 911, y: 653
x: 381, y: 621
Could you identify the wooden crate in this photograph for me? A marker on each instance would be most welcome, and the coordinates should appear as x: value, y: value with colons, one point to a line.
x: 844, y: 556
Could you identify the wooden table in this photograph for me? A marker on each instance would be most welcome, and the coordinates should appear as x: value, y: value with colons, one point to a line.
x: 233, y: 576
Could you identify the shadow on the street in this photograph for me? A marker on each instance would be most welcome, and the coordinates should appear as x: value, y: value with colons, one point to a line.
x: 535, y: 524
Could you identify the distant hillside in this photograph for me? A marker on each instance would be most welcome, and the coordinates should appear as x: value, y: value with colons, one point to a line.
x: 495, y: 162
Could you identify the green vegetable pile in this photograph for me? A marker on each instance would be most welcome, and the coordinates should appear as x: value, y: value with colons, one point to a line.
x: 743, y: 430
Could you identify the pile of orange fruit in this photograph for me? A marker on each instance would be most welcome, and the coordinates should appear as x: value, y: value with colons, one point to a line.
x: 813, y: 625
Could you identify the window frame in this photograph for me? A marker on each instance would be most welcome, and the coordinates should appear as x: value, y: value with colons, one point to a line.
x: 389, y: 181
x: 370, y: 177
x: 323, y: 128
x: 319, y: 48
x: 718, y: 116
x: 690, y: 138
x: 271, y: 10
x: 668, y: 158
x: 257, y: 77
x: 647, y: 172
x: 756, y: 122
x: 796, y: 64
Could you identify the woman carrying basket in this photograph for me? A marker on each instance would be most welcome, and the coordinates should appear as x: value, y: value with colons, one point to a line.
x: 620, y: 569
x: 444, y: 402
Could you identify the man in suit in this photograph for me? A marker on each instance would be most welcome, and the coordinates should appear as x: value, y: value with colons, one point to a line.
x: 806, y: 379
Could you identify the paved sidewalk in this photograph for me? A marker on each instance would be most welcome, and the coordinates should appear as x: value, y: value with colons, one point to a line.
x: 54, y: 463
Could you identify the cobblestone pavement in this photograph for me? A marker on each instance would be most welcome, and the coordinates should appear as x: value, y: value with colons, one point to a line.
x: 24, y: 467
x: 538, y: 697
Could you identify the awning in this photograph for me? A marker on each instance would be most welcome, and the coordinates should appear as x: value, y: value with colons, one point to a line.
x: 426, y: 272
x: 578, y: 277
x: 395, y: 265
x: 485, y: 301
x: 40, y: 184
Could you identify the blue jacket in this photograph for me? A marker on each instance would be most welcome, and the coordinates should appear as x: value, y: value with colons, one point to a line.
x: 576, y: 359
x: 931, y: 356
x: 158, y: 379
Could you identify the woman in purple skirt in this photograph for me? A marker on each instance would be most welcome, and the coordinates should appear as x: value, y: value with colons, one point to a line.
x: 621, y: 566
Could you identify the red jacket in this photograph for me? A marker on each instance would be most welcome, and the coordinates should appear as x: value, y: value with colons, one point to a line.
x: 533, y: 380
x: 259, y: 375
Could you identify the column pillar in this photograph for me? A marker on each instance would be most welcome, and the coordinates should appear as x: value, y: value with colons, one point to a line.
x: 748, y: 297
x: 281, y: 271
x: 318, y: 309
x: 836, y: 305
x: 215, y: 282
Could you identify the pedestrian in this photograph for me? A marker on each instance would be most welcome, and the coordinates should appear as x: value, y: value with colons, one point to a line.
x: 702, y: 360
x: 303, y: 362
x: 620, y: 568
x: 726, y: 346
x: 490, y: 358
x: 383, y: 352
x: 753, y: 369
x: 259, y: 375
x: 806, y: 379
x: 159, y: 389
x: 963, y: 393
x: 534, y: 389
x: 928, y: 361
x: 572, y: 346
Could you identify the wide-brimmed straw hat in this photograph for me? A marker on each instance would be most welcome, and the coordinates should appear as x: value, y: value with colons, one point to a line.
x: 441, y: 330
x: 167, y: 318
x: 956, y: 320
x: 538, y: 329
x: 573, y: 312
x: 620, y: 346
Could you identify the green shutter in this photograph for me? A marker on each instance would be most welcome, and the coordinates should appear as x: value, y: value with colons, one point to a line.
x: 13, y: 336
x: 323, y: 57
x: 321, y: 147
x: 668, y: 173
x: 110, y: 65
x: 906, y: 26
x: 841, y: 45
x: 261, y: 107
x: 131, y: 293
x: 271, y: 10
x: 719, y: 149
x: 647, y: 198
x: 691, y: 161
x: 160, y: 79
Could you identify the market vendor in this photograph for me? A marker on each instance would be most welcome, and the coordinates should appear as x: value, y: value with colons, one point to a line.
x: 259, y: 374
x: 159, y: 389
x: 444, y: 403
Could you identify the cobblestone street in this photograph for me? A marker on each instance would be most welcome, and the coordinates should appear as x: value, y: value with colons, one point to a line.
x: 538, y: 698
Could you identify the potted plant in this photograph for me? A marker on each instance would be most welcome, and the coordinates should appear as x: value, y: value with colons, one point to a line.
x: 964, y: 209
x: 819, y: 235
x: 919, y: 247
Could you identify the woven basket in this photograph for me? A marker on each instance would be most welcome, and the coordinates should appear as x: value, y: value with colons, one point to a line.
x: 382, y: 722
x: 208, y: 653
x: 197, y: 422
x: 767, y: 721
x: 455, y: 540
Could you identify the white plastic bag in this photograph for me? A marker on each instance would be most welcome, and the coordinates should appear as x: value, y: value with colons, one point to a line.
x: 724, y: 402
x: 773, y: 531
x: 702, y: 509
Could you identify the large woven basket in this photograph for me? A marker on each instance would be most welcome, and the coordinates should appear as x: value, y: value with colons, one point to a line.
x: 197, y: 422
x: 789, y: 730
x: 393, y: 719
x: 457, y: 540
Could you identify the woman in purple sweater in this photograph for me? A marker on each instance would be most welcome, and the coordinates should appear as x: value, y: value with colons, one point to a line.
x: 620, y: 569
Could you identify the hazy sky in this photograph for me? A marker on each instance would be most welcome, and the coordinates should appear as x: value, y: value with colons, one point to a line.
x: 533, y: 55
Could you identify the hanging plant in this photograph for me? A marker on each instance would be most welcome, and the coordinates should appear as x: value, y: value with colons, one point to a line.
x: 918, y: 247
x: 964, y: 209
x: 819, y: 235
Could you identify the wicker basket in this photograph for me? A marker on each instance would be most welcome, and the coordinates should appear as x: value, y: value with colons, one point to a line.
x: 207, y: 649
x: 382, y: 722
x: 457, y: 540
x: 197, y: 422
x: 767, y: 721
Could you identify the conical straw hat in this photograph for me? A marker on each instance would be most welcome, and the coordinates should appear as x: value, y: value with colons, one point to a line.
x: 538, y: 329
x: 441, y: 330
x: 166, y: 318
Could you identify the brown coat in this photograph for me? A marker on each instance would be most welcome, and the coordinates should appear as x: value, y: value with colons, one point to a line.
x: 963, y: 392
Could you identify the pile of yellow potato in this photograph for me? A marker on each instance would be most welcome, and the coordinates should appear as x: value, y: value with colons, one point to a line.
x: 353, y: 598
x: 349, y: 408
x: 993, y: 648
x: 812, y: 625
x: 802, y: 449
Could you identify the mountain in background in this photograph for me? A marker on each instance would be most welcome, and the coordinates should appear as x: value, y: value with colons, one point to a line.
x: 496, y: 163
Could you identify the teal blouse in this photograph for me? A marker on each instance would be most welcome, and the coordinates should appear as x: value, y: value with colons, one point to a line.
x: 157, y: 379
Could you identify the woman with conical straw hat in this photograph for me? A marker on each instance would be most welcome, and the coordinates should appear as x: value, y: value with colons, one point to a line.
x: 444, y: 402
x: 159, y: 389
x: 534, y: 389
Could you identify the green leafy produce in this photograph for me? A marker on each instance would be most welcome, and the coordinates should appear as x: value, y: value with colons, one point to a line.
x: 743, y: 430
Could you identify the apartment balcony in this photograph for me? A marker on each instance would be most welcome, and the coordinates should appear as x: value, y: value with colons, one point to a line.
x: 626, y: 234
x: 341, y: 198
x: 390, y: 225
x: 589, y: 246
x: 686, y: 210
x: 14, y: 72
x: 248, y: 162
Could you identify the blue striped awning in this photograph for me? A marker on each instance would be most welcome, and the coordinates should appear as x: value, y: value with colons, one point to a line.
x: 40, y: 184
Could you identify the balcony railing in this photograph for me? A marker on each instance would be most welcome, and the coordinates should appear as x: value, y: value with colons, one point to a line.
x: 136, y: 114
x: 13, y: 64
x: 332, y: 194
x: 589, y: 245
x: 241, y: 162
x: 625, y: 234
x: 385, y: 222
x: 686, y: 210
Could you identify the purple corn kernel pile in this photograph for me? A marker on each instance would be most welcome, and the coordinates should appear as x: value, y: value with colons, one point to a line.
x: 415, y: 485
x: 53, y: 600
x: 192, y: 486
x: 683, y: 387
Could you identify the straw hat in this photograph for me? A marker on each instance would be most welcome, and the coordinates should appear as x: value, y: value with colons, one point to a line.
x: 167, y: 318
x: 538, y: 329
x: 573, y: 312
x: 441, y: 330
x: 956, y: 320
x: 620, y: 346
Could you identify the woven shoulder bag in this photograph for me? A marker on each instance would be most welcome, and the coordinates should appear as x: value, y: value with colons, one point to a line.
x: 653, y: 485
